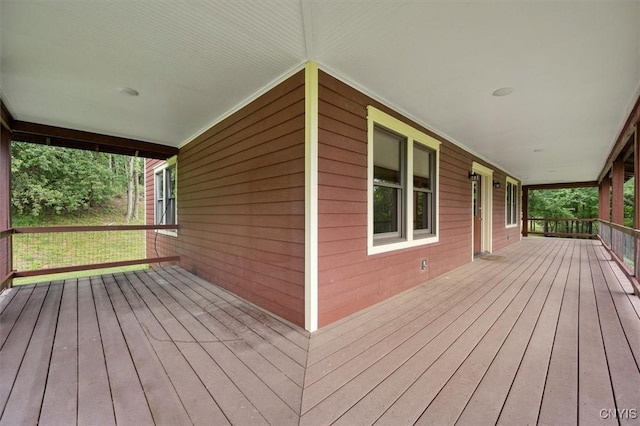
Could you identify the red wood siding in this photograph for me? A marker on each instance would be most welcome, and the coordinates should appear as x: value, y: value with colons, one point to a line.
x: 5, y: 200
x: 241, y: 202
x: 503, y: 236
x: 349, y: 280
x: 158, y: 244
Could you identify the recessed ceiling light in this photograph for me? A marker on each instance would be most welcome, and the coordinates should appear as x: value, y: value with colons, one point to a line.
x: 503, y: 91
x: 128, y: 91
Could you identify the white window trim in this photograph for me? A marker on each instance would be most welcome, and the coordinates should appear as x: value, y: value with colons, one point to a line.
x: 170, y: 162
x: 376, y: 116
x: 506, y: 188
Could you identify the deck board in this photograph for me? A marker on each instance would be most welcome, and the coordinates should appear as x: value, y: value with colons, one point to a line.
x: 594, y: 382
x: 23, y: 406
x: 493, y: 324
x: 94, y: 390
x: 237, y: 322
x: 5, y: 298
x: 255, y: 361
x: 129, y: 400
x: 545, y: 332
x: 560, y: 396
x: 192, y: 392
x: 285, y: 337
x: 10, y: 315
x: 623, y: 370
x: 624, y: 302
x: 520, y: 405
x: 373, y: 391
x: 502, y: 347
x: 350, y: 342
x: 360, y: 324
x: 17, y: 342
x: 417, y: 312
x: 60, y: 404
x: 163, y: 400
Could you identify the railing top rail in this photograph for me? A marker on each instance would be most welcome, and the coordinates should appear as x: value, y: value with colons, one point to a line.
x: 625, y: 230
x: 51, y: 229
x: 563, y: 219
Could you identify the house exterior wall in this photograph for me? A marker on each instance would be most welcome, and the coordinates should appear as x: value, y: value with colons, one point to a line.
x: 158, y: 244
x: 503, y: 235
x: 240, y: 197
x: 349, y: 279
x: 241, y: 206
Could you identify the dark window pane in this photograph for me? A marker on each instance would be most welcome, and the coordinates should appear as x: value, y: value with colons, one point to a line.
x: 170, y: 217
x: 171, y: 196
x: 159, y: 186
x: 171, y: 182
x: 385, y: 209
x: 422, y: 209
x: 475, y: 197
x: 159, y: 210
x: 512, y: 204
x: 509, y: 220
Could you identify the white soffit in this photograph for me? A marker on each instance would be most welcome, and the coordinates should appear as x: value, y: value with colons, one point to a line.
x: 574, y: 65
x: 64, y: 61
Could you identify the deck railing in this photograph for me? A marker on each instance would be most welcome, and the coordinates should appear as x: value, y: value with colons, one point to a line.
x: 567, y: 228
x: 6, y: 270
x: 624, y: 243
x: 58, y: 249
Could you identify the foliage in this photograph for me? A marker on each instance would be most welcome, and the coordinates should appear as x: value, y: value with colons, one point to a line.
x: 578, y: 203
x: 53, y: 181
x: 569, y: 203
x: 629, y: 197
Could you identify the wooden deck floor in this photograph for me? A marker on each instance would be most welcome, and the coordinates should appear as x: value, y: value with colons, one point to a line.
x: 545, y: 331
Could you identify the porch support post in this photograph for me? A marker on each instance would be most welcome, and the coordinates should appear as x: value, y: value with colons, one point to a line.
x: 604, y: 200
x: 617, y: 182
x: 636, y: 177
x: 6, y: 257
x: 525, y: 211
x: 311, y: 198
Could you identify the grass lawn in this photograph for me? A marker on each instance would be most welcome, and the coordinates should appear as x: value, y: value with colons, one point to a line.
x: 78, y: 274
x: 51, y: 250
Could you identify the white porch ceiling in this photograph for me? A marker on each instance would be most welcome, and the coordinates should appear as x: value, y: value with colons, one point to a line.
x: 574, y: 65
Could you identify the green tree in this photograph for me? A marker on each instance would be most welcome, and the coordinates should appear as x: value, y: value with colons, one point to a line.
x: 569, y: 203
x: 629, y: 204
x: 51, y: 180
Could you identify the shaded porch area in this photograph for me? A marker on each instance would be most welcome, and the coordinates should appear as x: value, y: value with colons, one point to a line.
x: 545, y: 331
x: 156, y: 346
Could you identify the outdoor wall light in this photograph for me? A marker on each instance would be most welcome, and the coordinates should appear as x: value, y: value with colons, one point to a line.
x: 473, y: 176
x: 496, y: 184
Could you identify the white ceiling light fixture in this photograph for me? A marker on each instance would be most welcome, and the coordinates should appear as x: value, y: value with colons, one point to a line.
x: 503, y: 91
x: 128, y: 91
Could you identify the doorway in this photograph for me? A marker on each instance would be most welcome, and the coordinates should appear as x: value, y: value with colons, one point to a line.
x: 482, y: 210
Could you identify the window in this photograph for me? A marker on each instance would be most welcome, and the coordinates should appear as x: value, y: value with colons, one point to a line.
x: 403, y: 169
x: 165, y: 194
x: 388, y: 182
x: 512, y: 202
x: 423, y: 178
